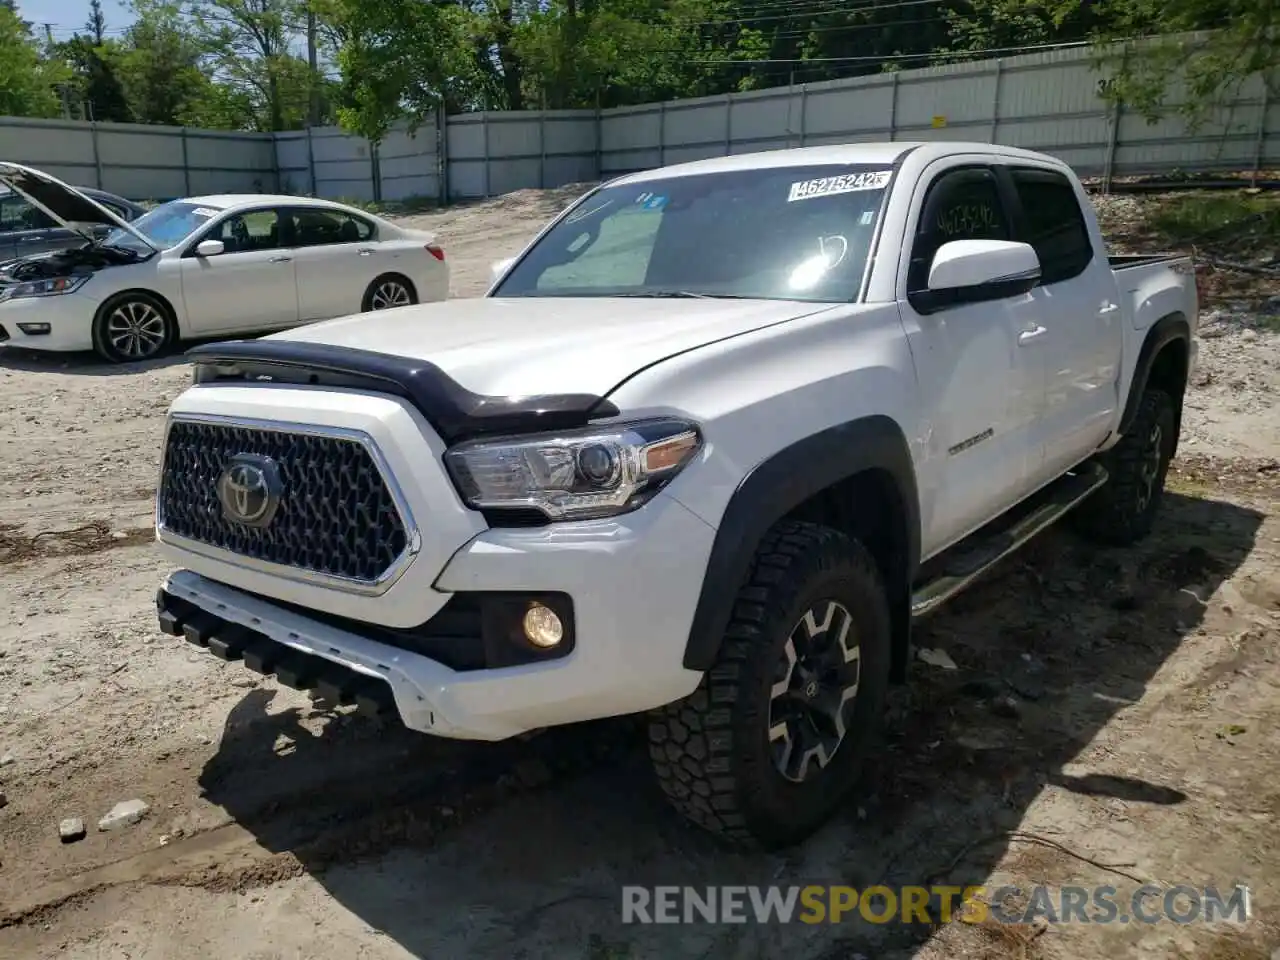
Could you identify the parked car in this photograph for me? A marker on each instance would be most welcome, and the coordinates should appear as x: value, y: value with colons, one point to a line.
x: 705, y: 450
x: 204, y: 267
x: 26, y: 230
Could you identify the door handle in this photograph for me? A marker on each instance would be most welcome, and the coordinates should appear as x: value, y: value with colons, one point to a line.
x: 365, y: 252
x: 281, y: 259
x: 1109, y: 308
x: 1029, y: 336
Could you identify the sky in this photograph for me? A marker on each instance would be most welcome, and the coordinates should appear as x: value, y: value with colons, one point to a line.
x: 68, y: 16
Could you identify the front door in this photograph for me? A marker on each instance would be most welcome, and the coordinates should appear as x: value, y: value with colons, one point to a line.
x: 249, y: 286
x: 981, y: 379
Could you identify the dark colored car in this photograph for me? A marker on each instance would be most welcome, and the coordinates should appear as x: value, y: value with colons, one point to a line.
x: 27, y: 230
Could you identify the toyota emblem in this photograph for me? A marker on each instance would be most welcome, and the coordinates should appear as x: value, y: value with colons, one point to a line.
x: 249, y: 490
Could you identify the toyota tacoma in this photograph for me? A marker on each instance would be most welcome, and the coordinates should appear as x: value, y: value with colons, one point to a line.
x: 705, y: 450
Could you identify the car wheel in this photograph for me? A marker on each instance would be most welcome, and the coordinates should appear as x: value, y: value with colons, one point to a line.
x: 389, y: 290
x: 773, y: 739
x: 132, y: 327
x: 1124, y: 509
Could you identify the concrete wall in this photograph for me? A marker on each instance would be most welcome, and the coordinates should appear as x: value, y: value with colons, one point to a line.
x: 1047, y: 101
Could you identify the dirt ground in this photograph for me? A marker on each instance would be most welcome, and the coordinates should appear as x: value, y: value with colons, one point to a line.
x: 1111, y: 720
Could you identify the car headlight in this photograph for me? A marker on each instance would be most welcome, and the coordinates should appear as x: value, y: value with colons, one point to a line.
x: 577, y: 474
x: 49, y: 287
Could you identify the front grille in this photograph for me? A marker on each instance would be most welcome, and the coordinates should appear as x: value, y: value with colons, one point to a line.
x: 336, y: 515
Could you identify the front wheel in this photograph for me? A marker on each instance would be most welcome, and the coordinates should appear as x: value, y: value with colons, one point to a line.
x: 773, y: 739
x: 389, y: 290
x: 131, y: 327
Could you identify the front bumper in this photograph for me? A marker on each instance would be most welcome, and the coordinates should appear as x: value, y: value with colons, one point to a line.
x: 70, y: 320
x: 634, y: 584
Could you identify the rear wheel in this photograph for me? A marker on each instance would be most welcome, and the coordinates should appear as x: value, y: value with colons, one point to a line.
x: 773, y: 739
x: 1124, y: 509
x: 131, y: 327
x: 388, y: 291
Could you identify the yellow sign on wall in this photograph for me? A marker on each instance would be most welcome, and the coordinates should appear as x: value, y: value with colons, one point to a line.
x: 939, y: 121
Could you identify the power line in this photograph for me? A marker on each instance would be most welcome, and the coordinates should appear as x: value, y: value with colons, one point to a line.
x: 892, y: 58
x: 816, y: 12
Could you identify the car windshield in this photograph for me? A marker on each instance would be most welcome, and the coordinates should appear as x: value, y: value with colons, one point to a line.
x: 165, y: 226
x: 780, y: 233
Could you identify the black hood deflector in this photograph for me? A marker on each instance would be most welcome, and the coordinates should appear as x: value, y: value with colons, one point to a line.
x: 455, y: 412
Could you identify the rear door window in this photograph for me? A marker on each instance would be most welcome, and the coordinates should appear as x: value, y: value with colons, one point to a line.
x: 1053, y: 223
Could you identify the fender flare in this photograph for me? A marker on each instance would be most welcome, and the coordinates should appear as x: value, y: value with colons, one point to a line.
x: 777, y: 486
x: 1164, y: 331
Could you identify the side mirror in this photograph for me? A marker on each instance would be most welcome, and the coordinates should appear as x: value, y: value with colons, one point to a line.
x: 974, y: 271
x: 210, y: 248
x: 499, y: 267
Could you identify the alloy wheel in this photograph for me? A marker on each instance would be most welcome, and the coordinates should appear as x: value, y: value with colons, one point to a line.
x: 813, y: 692
x: 388, y: 294
x: 136, y: 329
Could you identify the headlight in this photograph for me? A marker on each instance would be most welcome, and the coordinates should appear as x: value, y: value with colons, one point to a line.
x: 51, y: 287
x: 577, y: 474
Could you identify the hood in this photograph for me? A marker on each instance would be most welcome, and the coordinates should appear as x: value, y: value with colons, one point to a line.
x: 67, y: 205
x: 535, y: 345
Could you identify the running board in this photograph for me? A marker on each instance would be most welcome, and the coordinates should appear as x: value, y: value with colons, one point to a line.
x: 983, y: 550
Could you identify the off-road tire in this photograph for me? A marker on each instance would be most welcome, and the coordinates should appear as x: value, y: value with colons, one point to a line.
x: 147, y: 305
x: 1124, y: 508
x: 711, y: 751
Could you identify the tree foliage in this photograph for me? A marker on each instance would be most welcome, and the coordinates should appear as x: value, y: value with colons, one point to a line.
x: 243, y: 64
x: 28, y: 79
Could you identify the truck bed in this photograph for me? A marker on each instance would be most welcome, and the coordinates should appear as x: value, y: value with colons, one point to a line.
x: 1126, y: 261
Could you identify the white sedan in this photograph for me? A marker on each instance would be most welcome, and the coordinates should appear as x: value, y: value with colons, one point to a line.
x: 217, y: 266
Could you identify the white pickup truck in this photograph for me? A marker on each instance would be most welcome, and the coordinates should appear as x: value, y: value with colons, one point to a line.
x: 705, y: 450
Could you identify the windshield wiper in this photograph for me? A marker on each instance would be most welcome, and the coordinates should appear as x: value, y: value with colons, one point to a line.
x: 681, y: 295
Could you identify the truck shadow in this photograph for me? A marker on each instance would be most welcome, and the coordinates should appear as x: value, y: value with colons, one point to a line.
x: 521, y: 849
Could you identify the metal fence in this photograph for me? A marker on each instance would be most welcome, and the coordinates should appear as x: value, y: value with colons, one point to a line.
x: 1046, y: 101
x: 141, y: 161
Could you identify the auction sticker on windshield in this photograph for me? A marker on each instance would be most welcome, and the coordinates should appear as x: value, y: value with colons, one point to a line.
x: 203, y: 212
x: 847, y: 183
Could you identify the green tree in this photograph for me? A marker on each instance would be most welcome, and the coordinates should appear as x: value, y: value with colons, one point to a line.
x: 27, y: 78
x: 95, y: 77
x: 1207, y: 47
x: 96, y: 25
x: 159, y: 66
x: 247, y: 45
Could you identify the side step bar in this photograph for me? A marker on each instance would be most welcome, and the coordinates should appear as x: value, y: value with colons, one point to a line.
x: 980, y: 552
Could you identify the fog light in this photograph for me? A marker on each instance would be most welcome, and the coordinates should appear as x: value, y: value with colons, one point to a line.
x: 34, y: 329
x: 542, y: 627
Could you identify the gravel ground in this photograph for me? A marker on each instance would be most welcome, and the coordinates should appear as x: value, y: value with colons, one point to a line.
x: 1114, y: 707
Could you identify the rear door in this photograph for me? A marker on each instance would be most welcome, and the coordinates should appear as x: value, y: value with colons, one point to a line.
x: 337, y: 257
x: 249, y: 286
x: 1077, y: 310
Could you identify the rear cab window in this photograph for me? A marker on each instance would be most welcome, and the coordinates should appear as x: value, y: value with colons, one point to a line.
x: 1052, y: 222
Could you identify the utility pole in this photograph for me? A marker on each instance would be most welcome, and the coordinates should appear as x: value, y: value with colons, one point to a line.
x: 48, y: 33
x: 313, y: 111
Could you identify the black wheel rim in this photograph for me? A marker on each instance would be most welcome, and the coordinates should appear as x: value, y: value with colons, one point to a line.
x: 1149, y: 469
x: 814, y: 690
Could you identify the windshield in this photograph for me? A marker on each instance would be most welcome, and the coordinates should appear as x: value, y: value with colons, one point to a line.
x: 165, y: 226
x: 782, y: 233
